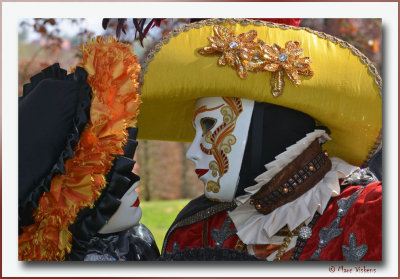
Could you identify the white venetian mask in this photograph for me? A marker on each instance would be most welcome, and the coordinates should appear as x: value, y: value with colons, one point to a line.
x: 222, y: 125
x: 127, y: 215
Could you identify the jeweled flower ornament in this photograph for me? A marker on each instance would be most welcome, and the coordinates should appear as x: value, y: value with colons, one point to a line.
x: 285, y: 61
x: 234, y: 51
x: 244, y: 55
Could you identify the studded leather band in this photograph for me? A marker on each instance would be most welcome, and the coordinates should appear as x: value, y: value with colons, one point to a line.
x: 294, y: 180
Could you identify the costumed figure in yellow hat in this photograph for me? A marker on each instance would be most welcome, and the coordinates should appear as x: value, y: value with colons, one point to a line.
x: 77, y: 139
x: 283, y: 121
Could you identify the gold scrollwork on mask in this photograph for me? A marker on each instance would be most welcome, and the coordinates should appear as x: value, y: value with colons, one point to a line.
x: 213, y: 186
x: 221, y: 141
x: 213, y: 168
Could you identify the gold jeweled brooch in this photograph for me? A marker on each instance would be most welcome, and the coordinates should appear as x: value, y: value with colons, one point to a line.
x: 245, y: 55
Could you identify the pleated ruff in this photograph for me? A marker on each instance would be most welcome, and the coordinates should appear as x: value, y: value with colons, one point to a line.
x: 256, y: 228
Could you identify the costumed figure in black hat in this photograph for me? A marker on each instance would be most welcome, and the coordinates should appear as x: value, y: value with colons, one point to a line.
x: 77, y: 139
x: 285, y: 121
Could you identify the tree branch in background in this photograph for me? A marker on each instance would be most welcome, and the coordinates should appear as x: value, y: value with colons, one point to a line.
x: 141, y: 28
x: 50, y: 46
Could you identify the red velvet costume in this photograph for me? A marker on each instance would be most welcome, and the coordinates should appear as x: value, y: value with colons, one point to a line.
x: 363, y: 218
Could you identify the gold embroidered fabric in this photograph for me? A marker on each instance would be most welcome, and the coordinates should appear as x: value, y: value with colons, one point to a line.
x: 243, y: 54
x: 235, y: 51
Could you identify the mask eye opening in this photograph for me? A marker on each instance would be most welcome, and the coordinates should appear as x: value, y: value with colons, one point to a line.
x: 207, y: 123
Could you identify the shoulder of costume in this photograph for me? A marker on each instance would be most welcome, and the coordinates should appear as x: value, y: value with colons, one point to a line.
x: 356, y: 217
x: 373, y: 186
x: 195, y: 211
x: 201, y: 208
x: 366, y: 197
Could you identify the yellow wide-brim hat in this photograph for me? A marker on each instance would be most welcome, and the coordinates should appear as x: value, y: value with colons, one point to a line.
x: 343, y: 93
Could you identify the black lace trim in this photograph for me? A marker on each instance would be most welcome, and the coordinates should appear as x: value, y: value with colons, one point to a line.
x: 82, y: 116
x: 90, y: 220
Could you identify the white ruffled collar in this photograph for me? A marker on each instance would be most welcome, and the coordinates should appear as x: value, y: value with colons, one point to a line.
x: 256, y: 228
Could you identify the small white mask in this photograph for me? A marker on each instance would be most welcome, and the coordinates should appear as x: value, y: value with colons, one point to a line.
x: 222, y: 125
x: 127, y: 215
